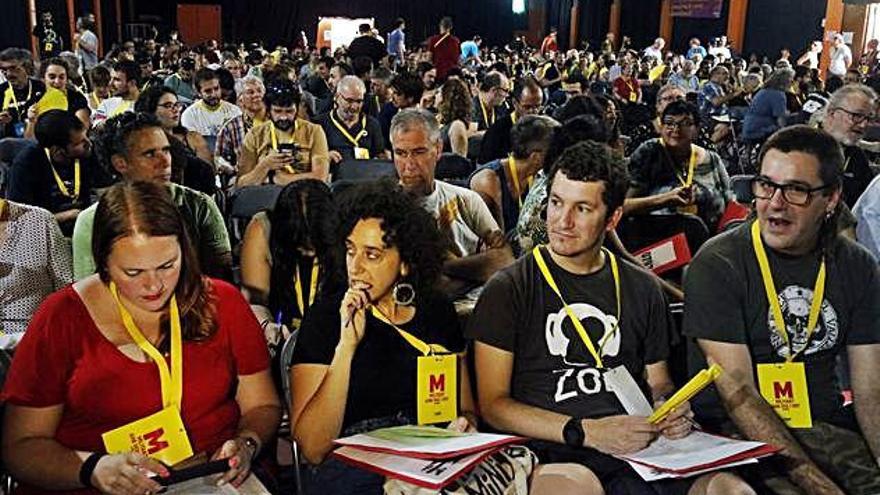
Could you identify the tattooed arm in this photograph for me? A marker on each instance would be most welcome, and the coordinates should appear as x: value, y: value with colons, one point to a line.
x: 757, y: 420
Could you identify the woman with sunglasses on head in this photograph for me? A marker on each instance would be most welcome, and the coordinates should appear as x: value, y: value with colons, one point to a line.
x: 357, y: 355
x: 95, y: 361
x: 672, y: 175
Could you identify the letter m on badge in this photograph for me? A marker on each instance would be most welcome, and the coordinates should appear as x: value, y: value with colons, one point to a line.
x: 783, y: 390
x: 437, y: 382
x: 154, y: 441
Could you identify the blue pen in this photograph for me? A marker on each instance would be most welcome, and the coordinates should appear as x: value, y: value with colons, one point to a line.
x: 278, y: 317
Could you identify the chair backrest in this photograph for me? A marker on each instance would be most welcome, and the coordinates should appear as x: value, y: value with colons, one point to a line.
x: 286, y: 359
x: 475, y: 144
x: 364, y: 170
x: 248, y: 201
x: 453, y: 167
x: 9, y: 147
x: 742, y: 188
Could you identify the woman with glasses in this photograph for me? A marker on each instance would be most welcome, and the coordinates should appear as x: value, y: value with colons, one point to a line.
x: 672, y: 175
x: 164, y: 104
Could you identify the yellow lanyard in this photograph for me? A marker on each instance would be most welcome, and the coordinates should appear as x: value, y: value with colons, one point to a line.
x: 2, y: 208
x: 511, y: 161
x: 356, y: 139
x: 172, y: 382
x: 692, y: 165
x: 513, y: 117
x: 378, y: 105
x: 313, y: 286
x: 773, y: 298
x: 419, y: 344
x: 542, y: 265
x: 94, y: 99
x: 486, y: 114
x: 123, y: 107
x: 9, y: 98
x: 437, y: 43
x: 274, y: 136
x: 60, y: 183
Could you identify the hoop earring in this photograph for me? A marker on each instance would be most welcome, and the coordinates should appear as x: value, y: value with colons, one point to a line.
x: 403, y: 294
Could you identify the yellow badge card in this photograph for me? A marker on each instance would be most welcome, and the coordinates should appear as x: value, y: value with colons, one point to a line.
x: 633, y: 96
x: 361, y: 153
x: 160, y: 436
x: 436, y: 389
x: 784, y: 387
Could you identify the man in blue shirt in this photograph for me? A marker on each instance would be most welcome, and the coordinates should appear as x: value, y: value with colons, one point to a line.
x: 397, y: 41
x: 696, y: 49
x: 470, y: 51
x: 867, y: 212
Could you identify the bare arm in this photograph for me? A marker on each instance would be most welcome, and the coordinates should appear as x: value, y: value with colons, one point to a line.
x: 28, y: 434
x: 679, y: 196
x: 458, y: 138
x: 260, y: 407
x: 864, y: 366
x: 756, y: 419
x: 487, y: 184
x: 200, y: 146
x: 256, y: 272
x: 480, y: 267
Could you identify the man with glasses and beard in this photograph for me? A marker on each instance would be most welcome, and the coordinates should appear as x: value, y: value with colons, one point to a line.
x: 847, y: 116
x: 351, y: 133
x: 286, y: 148
x: 776, y: 301
x: 19, y: 91
x: 528, y: 99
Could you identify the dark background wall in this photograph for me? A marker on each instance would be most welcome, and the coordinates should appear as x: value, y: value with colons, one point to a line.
x: 770, y: 26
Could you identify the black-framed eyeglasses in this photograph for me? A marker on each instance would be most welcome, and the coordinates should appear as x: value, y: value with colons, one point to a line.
x: 352, y: 101
x: 679, y: 124
x: 793, y: 193
x: 856, y: 117
x: 169, y: 105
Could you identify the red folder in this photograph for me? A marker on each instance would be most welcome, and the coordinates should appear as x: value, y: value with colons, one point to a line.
x: 665, y: 255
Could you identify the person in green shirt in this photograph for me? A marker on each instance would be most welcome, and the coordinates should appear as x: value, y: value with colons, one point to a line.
x: 136, y: 147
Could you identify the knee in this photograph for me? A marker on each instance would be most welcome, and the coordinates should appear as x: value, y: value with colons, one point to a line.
x: 565, y: 479
x: 728, y: 484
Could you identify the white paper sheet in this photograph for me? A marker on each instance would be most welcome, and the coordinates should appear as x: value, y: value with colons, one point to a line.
x: 429, y: 448
x: 651, y: 474
x: 696, y: 449
x: 436, y: 473
x: 207, y: 485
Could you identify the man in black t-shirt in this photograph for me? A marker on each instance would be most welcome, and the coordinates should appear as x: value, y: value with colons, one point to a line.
x: 51, y: 44
x: 19, y: 91
x: 57, y: 172
x: 351, y: 134
x: 540, y: 377
x: 527, y: 100
x: 366, y: 45
x: 826, y: 294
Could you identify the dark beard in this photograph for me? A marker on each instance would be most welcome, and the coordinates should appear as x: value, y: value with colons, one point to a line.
x: 284, y: 125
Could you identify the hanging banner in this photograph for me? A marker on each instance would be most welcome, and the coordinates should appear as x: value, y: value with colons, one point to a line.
x: 697, y: 9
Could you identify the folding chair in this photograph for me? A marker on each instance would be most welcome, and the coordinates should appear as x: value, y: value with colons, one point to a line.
x: 364, y: 170
x: 454, y: 169
x: 286, y: 427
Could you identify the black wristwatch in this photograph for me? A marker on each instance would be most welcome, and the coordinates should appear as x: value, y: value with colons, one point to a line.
x: 573, y: 433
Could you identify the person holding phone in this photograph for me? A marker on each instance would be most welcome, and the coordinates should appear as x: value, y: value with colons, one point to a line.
x: 672, y: 175
x: 286, y: 148
x: 95, y: 360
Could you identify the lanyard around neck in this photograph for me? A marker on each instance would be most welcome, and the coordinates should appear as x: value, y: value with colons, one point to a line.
x: 692, y: 164
x: 172, y: 381
x: 773, y: 298
x: 76, y: 177
x: 355, y: 140
x: 582, y: 332
x: 9, y: 97
x: 274, y: 135
x: 514, y: 176
x: 486, y: 114
x: 442, y: 38
x: 419, y: 344
x: 313, y: 288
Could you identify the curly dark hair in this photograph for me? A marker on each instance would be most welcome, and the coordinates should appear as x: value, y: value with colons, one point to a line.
x: 148, y: 101
x: 456, y: 103
x: 589, y: 161
x: 409, y: 86
x: 304, y: 216
x: 112, y: 138
x: 406, y: 225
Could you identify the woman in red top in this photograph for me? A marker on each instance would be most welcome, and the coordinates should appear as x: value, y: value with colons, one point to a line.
x: 80, y: 371
x: 626, y: 87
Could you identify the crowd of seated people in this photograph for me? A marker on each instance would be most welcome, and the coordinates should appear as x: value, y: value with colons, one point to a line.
x: 295, y: 227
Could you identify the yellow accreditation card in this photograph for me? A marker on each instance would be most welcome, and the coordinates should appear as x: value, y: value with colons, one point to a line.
x: 784, y: 387
x: 633, y: 96
x: 361, y: 153
x: 160, y: 436
x: 436, y: 388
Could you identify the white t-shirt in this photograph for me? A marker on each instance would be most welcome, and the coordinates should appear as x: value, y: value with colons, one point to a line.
x: 206, y: 121
x: 462, y: 216
x: 112, y: 107
x: 654, y: 52
x: 839, y: 56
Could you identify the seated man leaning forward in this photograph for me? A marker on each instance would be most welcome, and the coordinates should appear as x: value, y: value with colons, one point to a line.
x: 543, y: 375
x: 474, y: 244
x: 777, y: 301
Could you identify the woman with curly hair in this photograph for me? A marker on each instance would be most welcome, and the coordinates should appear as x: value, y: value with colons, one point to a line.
x: 455, y: 116
x: 95, y: 359
x: 354, y: 367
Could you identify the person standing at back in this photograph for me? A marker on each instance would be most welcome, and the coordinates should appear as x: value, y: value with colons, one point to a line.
x: 445, y: 49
